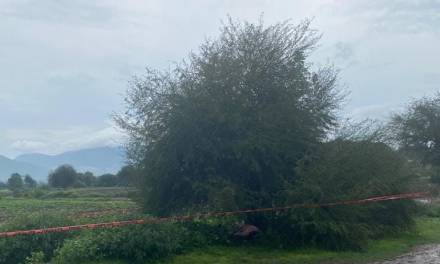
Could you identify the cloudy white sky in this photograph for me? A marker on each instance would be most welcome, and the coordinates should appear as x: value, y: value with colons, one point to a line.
x: 65, y: 64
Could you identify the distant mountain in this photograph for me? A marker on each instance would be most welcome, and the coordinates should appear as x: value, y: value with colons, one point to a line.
x: 97, y: 160
x: 9, y: 166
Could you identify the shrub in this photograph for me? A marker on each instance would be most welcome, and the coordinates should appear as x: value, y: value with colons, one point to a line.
x: 141, y: 243
x: 17, y: 249
x: 134, y: 243
x: 35, y: 258
x: 346, y: 170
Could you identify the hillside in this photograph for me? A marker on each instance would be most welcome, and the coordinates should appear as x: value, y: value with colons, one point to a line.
x: 97, y: 160
x: 9, y: 166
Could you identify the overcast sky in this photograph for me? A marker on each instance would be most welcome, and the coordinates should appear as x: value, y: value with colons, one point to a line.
x: 65, y: 64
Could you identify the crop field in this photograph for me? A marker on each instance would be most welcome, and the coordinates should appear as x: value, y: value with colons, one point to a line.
x: 82, y: 205
x: 11, y: 208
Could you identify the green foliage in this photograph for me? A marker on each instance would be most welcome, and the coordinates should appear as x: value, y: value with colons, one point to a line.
x: 427, y: 231
x: 37, y: 193
x: 225, y: 130
x: 17, y: 249
x: 435, y: 177
x: 136, y: 244
x: 346, y: 169
x: 417, y: 130
x: 107, y: 180
x: 15, y: 182
x: 15, y: 208
x: 29, y: 182
x: 35, y: 258
x: 86, y: 179
x: 64, y: 176
x: 245, y: 124
x: 128, y: 176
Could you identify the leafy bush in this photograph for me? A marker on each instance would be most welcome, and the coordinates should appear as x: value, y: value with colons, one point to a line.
x: 35, y: 258
x: 135, y: 243
x: 346, y: 170
x: 17, y: 249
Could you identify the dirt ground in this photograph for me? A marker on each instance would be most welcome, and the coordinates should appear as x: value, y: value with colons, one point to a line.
x: 429, y: 254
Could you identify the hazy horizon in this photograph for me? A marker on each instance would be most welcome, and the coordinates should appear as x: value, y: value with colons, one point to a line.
x: 65, y: 65
x: 63, y: 152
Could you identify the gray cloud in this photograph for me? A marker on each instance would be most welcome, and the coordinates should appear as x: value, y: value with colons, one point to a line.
x: 394, y: 16
x: 344, y: 51
x: 70, y: 138
x: 64, y: 65
x: 82, y: 12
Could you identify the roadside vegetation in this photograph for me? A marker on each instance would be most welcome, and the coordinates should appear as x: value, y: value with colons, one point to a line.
x: 246, y: 122
x: 427, y: 231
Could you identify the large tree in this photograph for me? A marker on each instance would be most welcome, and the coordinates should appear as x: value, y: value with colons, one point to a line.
x: 226, y: 128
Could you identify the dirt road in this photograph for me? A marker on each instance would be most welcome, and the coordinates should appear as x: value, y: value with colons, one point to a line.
x: 429, y: 254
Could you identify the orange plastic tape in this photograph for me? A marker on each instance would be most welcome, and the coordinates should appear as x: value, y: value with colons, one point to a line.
x: 211, y: 214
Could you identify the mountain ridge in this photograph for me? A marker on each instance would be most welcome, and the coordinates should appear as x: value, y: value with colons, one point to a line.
x: 99, y: 160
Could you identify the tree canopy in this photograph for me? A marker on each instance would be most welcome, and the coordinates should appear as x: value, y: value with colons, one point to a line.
x: 86, y: 179
x: 29, y: 181
x: 15, y: 182
x: 62, y: 177
x: 107, y: 180
x: 232, y: 121
x: 417, y: 130
x: 244, y: 123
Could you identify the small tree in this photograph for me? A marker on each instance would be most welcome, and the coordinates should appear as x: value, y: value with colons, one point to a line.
x: 29, y: 182
x: 417, y: 130
x: 127, y: 175
x: 417, y: 134
x: 107, y: 180
x: 86, y: 179
x: 64, y: 176
x: 15, y: 182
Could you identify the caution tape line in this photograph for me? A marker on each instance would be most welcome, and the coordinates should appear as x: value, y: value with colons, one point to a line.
x: 210, y: 214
